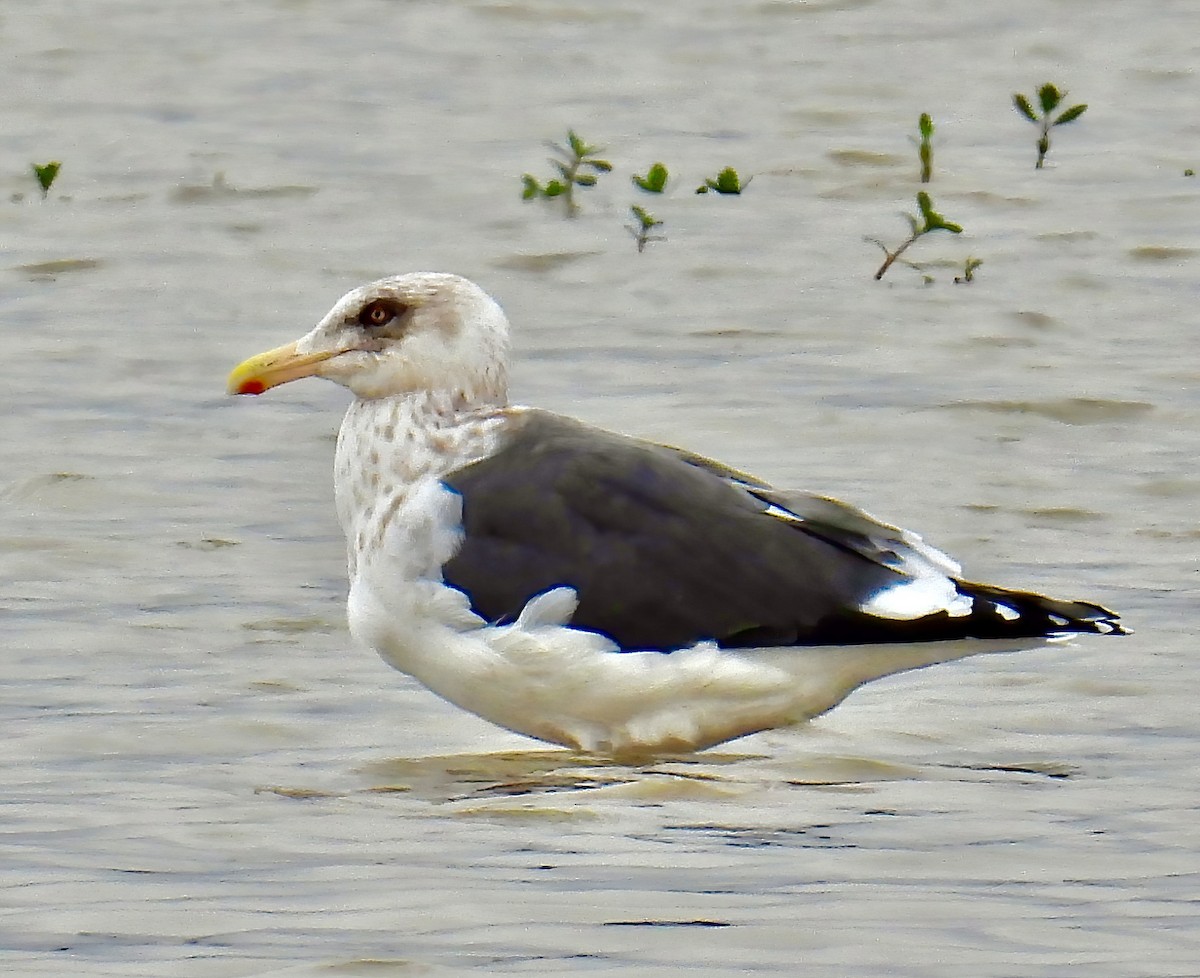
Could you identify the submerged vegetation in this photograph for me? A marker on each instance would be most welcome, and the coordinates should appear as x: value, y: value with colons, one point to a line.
x: 577, y: 166
x: 646, y: 223
x: 1049, y: 98
x: 655, y: 180
x: 725, y: 182
x: 46, y: 174
x: 925, y: 146
x: 929, y: 221
x: 968, y: 272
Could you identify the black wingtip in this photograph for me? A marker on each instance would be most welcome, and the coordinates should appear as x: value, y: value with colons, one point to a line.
x: 1032, y: 613
x: 1098, y: 620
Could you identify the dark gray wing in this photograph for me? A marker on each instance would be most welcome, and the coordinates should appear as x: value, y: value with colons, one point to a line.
x: 839, y: 523
x: 664, y: 549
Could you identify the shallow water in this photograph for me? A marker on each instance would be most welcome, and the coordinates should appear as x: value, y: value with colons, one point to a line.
x: 200, y: 776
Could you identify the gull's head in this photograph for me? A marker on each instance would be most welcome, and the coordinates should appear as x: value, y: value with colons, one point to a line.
x: 426, y: 331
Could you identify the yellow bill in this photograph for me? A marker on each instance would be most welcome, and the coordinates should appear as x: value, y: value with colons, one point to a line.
x: 266, y: 370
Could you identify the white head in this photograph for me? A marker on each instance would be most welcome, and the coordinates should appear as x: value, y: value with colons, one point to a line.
x: 421, y: 332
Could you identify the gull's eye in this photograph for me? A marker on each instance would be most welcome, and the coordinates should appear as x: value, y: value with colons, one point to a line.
x: 379, y: 313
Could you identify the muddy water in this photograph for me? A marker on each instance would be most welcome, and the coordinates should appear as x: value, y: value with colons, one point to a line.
x: 202, y: 777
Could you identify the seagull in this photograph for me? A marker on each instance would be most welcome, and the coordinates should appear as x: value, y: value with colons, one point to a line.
x: 589, y: 589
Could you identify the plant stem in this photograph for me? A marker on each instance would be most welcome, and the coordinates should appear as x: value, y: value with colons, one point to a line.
x: 893, y: 255
x: 925, y: 146
x: 1043, y: 145
x: 569, y: 174
x: 930, y: 221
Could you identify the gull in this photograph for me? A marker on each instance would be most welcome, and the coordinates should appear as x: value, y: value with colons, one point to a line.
x: 593, y: 590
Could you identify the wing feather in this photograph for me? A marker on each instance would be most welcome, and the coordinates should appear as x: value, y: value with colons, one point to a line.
x: 661, y: 552
x: 664, y: 549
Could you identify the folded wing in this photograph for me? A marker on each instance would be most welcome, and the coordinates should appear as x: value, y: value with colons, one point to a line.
x: 665, y: 549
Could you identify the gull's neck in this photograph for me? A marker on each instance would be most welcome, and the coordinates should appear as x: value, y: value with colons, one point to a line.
x: 390, y: 446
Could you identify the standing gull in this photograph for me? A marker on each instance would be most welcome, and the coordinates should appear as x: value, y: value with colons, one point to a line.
x: 597, y: 591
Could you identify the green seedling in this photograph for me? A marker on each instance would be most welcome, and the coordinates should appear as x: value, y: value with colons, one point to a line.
x: 655, y: 180
x: 1049, y: 98
x: 46, y: 174
x: 725, y: 182
x: 646, y: 223
x: 968, y: 275
x: 925, y: 146
x: 930, y: 220
x: 573, y: 163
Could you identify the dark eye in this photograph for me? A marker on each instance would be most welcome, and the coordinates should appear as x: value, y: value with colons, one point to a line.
x: 379, y: 313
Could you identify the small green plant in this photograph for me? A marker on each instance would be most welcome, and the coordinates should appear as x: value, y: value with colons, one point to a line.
x: 725, y: 182
x: 46, y: 174
x: 925, y: 146
x: 655, y: 180
x: 646, y: 223
x: 930, y: 220
x: 1049, y: 98
x: 968, y: 274
x: 573, y: 162
x: 1189, y: 172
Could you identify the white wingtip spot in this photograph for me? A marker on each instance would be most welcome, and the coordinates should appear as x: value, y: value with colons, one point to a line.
x: 960, y: 607
x: 1007, y: 613
x: 1059, y: 620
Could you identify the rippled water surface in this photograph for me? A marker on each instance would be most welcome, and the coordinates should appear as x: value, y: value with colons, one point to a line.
x: 200, y: 776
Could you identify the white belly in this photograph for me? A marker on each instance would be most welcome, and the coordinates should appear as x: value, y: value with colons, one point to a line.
x: 555, y: 683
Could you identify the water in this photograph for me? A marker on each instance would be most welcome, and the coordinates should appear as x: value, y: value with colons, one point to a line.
x: 202, y: 777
